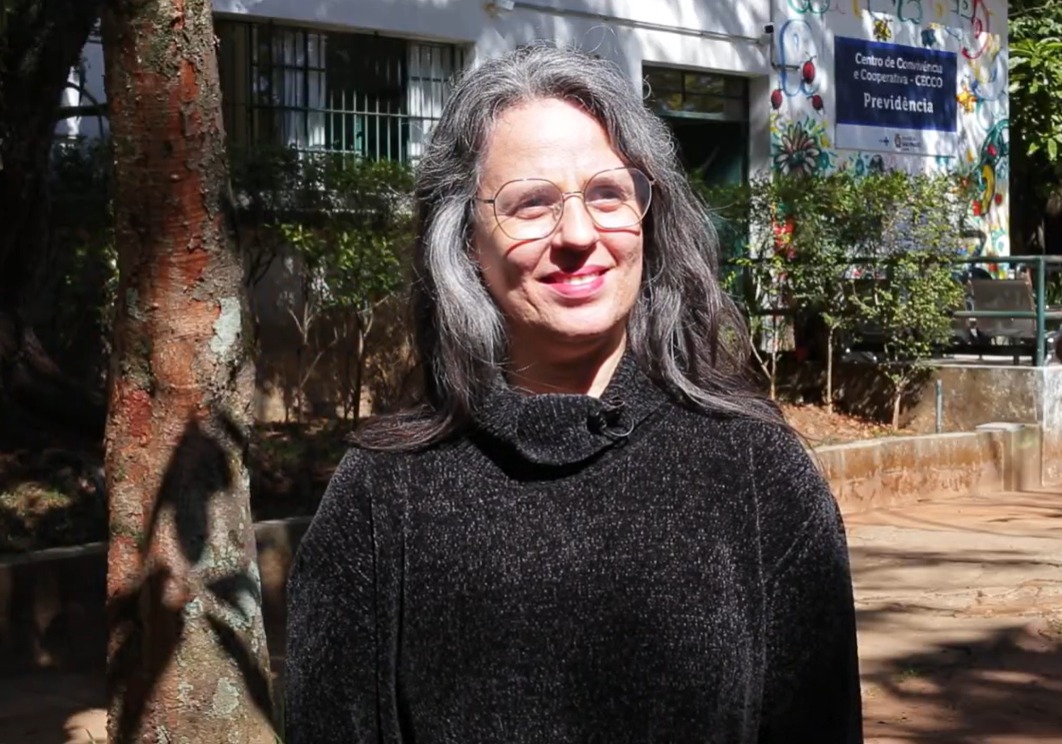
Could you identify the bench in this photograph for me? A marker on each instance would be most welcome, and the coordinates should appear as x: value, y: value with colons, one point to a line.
x: 977, y: 333
x: 1014, y: 334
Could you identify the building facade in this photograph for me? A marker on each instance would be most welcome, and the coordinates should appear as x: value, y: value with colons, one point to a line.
x: 748, y: 85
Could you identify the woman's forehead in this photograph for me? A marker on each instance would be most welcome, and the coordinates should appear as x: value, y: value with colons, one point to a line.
x: 546, y: 138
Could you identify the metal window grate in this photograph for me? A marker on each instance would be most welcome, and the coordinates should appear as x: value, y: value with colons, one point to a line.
x: 366, y: 94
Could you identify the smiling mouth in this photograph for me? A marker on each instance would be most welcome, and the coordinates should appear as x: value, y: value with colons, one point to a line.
x: 575, y: 280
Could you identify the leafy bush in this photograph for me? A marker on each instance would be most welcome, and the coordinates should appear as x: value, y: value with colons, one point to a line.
x: 795, y: 259
x: 344, y: 227
x: 83, y: 270
x: 870, y: 257
x: 913, y: 288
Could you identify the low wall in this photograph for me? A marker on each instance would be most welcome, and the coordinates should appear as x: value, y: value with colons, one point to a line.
x: 901, y: 470
x: 52, y: 601
x: 972, y: 393
x: 977, y: 393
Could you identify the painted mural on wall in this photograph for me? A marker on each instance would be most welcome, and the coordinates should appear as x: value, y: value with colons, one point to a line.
x: 913, y: 85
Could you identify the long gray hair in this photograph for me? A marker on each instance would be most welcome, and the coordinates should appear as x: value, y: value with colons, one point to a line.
x: 684, y: 331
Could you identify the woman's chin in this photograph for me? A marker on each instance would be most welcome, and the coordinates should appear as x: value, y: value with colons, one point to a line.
x: 588, y: 335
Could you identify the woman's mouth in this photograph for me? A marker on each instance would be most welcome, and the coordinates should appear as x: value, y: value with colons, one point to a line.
x: 578, y: 279
x: 578, y: 285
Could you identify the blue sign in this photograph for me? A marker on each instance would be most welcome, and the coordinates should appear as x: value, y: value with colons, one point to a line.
x: 895, y: 87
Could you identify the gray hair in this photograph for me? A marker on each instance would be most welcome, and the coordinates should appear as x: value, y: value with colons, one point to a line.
x: 684, y: 331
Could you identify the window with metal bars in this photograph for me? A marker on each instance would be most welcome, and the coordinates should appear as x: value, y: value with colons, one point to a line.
x: 366, y: 94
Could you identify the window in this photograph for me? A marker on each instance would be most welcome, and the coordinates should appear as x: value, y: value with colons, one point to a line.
x: 701, y: 95
x: 371, y: 95
x: 709, y: 116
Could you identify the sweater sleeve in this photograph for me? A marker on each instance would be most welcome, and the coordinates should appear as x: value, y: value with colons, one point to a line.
x: 331, y: 665
x: 811, y: 680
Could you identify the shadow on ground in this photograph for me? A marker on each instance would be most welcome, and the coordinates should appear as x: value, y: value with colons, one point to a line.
x: 1003, y: 688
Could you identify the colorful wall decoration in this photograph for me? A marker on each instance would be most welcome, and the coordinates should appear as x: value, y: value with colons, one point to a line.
x: 899, y: 62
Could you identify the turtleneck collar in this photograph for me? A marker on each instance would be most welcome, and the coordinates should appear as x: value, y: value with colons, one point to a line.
x: 556, y: 429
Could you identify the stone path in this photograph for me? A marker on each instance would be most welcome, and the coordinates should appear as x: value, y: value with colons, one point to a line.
x: 960, y: 620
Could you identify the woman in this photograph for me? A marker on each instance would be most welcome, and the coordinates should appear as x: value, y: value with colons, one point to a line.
x: 595, y: 530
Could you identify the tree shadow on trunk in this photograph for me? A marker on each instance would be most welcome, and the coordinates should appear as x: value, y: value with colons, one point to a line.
x: 151, y: 623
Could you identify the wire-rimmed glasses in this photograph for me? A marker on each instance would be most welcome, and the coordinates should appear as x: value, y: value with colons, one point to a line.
x: 531, y: 208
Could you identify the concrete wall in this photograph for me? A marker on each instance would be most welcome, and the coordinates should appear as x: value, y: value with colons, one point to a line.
x: 978, y: 394
x: 1051, y: 397
x: 701, y: 35
x: 902, y: 470
x: 691, y: 33
x: 52, y: 601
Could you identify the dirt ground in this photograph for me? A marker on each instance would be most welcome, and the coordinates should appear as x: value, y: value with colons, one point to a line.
x: 960, y: 630
x: 960, y: 620
x: 821, y: 428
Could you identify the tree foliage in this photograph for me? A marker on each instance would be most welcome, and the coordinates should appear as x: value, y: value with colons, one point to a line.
x: 40, y: 40
x: 39, y: 43
x: 83, y: 273
x: 342, y: 227
x: 1035, y: 82
x: 868, y: 258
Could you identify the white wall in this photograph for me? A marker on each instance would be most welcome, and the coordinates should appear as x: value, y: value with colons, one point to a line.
x: 708, y: 35
x: 662, y: 27
x: 973, y: 32
x: 89, y: 75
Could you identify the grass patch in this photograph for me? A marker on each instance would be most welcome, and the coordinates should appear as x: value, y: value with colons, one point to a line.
x: 908, y: 674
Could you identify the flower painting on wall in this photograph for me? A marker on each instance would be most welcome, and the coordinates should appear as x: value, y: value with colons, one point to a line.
x: 801, y: 148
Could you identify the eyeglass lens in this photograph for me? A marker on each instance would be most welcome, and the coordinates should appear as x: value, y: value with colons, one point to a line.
x: 530, y: 209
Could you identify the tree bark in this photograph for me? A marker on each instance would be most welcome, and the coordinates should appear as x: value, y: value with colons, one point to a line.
x: 829, y: 370
x: 897, y: 404
x: 187, y: 657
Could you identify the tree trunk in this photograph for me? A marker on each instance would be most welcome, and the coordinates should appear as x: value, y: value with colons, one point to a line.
x: 39, y: 405
x: 359, y: 372
x: 187, y: 658
x: 897, y: 402
x: 829, y: 370
x: 774, y: 364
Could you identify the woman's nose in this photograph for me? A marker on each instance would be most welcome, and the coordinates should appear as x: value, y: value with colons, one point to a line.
x: 576, y: 228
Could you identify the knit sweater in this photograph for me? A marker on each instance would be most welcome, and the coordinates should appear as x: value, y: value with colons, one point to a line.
x: 576, y: 569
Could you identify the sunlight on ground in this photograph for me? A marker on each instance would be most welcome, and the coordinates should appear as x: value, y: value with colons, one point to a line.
x: 87, y: 727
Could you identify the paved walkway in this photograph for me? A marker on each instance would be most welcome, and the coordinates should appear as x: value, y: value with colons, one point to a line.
x: 960, y: 613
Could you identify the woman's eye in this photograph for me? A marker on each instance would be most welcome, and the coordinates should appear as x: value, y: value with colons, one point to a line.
x: 532, y: 205
x: 604, y: 196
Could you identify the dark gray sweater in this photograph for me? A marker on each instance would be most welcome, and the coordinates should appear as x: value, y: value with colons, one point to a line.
x: 577, y: 570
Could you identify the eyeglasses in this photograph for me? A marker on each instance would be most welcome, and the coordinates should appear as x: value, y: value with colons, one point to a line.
x: 531, y: 208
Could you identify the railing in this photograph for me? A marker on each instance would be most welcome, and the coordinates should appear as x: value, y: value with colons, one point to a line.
x: 1041, y: 314
x: 1041, y: 265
